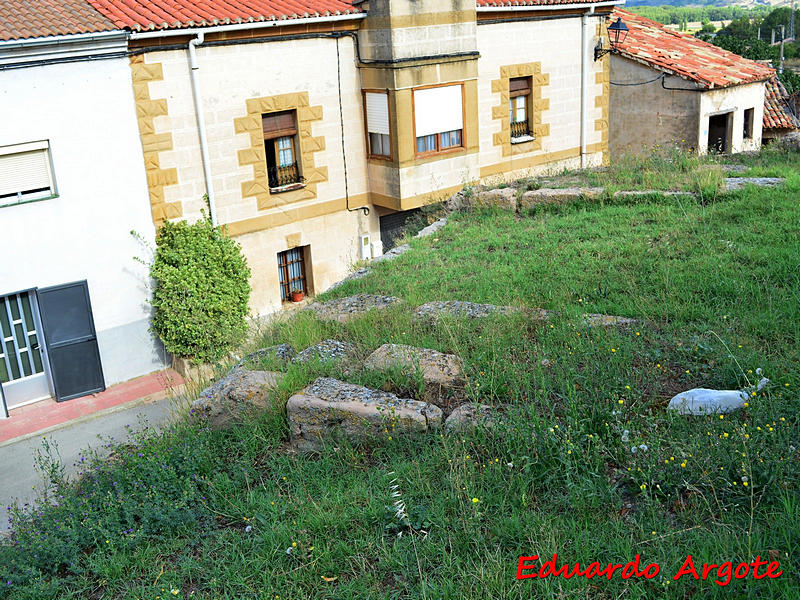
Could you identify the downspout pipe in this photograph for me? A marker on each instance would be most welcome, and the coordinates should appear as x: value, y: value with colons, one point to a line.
x: 201, y: 124
x: 585, y: 51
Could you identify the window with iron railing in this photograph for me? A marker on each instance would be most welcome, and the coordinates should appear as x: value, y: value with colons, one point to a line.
x: 519, y: 109
x: 280, y: 145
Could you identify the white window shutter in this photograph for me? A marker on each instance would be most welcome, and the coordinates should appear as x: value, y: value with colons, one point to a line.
x: 438, y: 109
x: 377, y: 112
x: 24, y: 171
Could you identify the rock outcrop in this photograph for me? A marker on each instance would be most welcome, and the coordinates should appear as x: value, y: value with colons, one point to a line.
x: 472, y: 415
x: 228, y: 398
x: 541, y: 196
x: 329, y: 408
x: 328, y: 351
x: 457, y: 308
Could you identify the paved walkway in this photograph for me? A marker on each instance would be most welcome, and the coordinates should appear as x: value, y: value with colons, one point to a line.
x: 89, y: 422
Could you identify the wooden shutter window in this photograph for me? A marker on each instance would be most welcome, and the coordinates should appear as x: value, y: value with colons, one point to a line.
x: 519, y: 86
x: 277, y: 125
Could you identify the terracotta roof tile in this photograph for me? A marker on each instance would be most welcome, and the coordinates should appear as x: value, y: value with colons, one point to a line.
x: 21, y: 19
x: 141, y: 15
x: 777, y: 111
x: 686, y: 56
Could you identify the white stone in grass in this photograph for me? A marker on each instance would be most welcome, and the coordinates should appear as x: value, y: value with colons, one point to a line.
x: 704, y: 401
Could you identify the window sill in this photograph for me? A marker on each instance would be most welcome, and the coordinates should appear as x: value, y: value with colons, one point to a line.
x: 452, y: 150
x: 382, y: 157
x: 522, y: 139
x: 289, y: 187
x: 4, y: 204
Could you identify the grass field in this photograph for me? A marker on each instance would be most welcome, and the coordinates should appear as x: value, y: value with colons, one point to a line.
x: 590, y: 466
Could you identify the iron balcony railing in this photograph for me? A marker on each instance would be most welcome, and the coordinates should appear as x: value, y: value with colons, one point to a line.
x: 520, y: 128
x: 281, y: 176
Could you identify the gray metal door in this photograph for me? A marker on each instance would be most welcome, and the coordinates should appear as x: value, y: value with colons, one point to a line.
x: 71, y: 340
x: 23, y: 363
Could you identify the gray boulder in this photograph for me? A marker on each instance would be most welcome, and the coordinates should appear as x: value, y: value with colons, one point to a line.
x: 282, y: 353
x: 443, y: 373
x: 557, y: 196
x: 328, y: 351
x: 595, y: 320
x: 351, y: 307
x: 329, y: 408
x: 231, y: 396
x: 472, y: 415
x: 505, y: 198
x: 457, y: 308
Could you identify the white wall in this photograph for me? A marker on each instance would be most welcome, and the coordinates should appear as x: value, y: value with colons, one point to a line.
x: 86, y: 111
x: 735, y: 99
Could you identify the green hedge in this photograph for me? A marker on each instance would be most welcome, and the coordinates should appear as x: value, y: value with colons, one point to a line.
x: 202, y: 290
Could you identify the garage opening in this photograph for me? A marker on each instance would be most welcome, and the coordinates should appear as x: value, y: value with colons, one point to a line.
x: 393, y: 227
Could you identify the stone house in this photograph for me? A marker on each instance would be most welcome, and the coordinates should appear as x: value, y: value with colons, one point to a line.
x: 305, y: 128
x: 670, y: 87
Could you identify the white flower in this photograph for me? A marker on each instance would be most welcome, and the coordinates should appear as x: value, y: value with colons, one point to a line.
x: 643, y: 447
x: 633, y: 449
x: 248, y: 529
x: 625, y: 435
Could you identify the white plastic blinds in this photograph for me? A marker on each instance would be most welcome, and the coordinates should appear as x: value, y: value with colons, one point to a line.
x: 24, y: 168
x: 438, y: 109
x: 377, y: 112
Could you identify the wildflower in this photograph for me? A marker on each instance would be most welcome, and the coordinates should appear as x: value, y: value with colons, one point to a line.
x: 625, y: 435
x: 683, y: 465
x: 746, y: 404
x: 643, y: 447
x: 627, y: 387
x: 687, y: 371
x: 725, y: 434
x: 637, y: 333
x: 174, y: 591
x: 643, y: 487
x: 613, y: 350
x: 475, y: 500
x: 658, y: 365
x: 294, y: 544
x: 652, y: 533
x: 620, y: 401
x: 786, y: 384
x: 722, y: 416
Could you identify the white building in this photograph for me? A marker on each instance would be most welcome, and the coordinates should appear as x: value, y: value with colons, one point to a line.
x: 73, y: 300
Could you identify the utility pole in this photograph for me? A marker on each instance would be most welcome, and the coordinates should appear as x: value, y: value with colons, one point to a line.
x: 780, y: 60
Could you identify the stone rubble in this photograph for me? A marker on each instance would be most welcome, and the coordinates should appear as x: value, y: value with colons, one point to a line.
x: 345, y: 309
x: 329, y: 408
x: 284, y: 353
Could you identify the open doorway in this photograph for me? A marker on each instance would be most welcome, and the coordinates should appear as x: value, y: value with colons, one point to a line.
x: 719, y: 133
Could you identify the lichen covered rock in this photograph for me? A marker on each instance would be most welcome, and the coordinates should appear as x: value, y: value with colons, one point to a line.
x: 443, y: 373
x: 472, y: 415
x: 345, y: 309
x: 457, y: 308
x: 327, y: 351
x: 229, y: 397
x: 329, y: 408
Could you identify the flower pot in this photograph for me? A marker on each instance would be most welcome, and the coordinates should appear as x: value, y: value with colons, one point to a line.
x: 297, y: 296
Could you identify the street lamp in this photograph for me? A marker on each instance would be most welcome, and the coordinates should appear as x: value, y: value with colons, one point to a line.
x: 617, y: 32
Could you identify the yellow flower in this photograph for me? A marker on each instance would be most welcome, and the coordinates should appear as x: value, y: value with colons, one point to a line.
x: 613, y: 350
x: 620, y: 401
x: 683, y: 465
x: 475, y: 500
x: 294, y: 544
x: 722, y: 416
x: 174, y: 591
x: 687, y: 371
x: 627, y: 387
x: 745, y: 484
x: 783, y: 418
x: 658, y: 365
x: 725, y: 434
x: 746, y: 404
x: 643, y: 487
x: 652, y: 533
x: 786, y: 384
x: 637, y: 333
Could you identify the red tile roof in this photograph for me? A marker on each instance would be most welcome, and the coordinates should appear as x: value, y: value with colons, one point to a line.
x: 141, y: 15
x: 777, y: 111
x: 686, y: 56
x: 20, y: 19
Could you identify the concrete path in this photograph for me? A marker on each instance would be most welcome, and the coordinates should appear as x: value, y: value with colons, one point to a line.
x: 18, y: 477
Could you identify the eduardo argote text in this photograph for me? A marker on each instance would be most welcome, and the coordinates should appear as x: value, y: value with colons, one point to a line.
x: 722, y: 574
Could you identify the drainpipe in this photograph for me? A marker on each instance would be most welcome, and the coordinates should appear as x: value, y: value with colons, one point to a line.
x: 584, y: 80
x: 201, y: 125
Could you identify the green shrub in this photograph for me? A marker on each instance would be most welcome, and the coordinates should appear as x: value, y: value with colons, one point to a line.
x: 202, y: 289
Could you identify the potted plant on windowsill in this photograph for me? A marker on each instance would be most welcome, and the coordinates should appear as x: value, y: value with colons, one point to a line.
x: 297, y: 295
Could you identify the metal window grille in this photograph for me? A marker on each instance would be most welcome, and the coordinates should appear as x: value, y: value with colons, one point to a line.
x: 291, y: 272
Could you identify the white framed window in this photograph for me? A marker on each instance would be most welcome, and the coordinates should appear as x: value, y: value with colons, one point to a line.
x: 376, y: 107
x: 26, y: 173
x: 439, y: 118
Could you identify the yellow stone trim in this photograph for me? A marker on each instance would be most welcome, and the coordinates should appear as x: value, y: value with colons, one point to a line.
x: 288, y: 216
x: 420, y: 20
x: 537, y: 160
x: 538, y: 106
x: 153, y: 143
x: 255, y: 155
